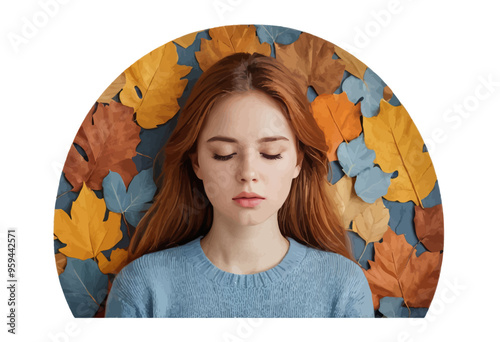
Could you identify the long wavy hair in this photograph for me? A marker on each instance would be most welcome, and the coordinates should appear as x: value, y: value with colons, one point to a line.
x: 181, y: 210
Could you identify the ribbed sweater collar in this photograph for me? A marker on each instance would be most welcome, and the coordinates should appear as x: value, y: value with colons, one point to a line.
x: 196, y: 255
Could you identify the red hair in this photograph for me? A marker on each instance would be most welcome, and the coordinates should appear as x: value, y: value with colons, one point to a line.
x: 181, y: 210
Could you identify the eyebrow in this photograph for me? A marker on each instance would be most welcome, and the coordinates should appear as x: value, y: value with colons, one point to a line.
x: 231, y: 140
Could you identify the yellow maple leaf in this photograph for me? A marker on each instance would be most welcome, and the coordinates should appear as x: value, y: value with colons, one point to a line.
x: 398, y: 146
x: 85, y: 233
x: 157, y: 77
x: 118, y: 257
x: 227, y: 40
x: 113, y: 89
x: 372, y: 223
x: 186, y: 40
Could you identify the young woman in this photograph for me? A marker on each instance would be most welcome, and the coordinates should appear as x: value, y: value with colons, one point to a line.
x: 242, y: 224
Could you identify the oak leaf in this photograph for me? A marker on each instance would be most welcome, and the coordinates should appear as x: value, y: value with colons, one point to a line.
x: 113, y: 89
x: 346, y: 202
x: 118, y: 257
x: 338, y: 118
x: 429, y: 227
x: 109, y: 137
x: 86, y: 233
x: 352, y: 65
x: 227, y: 40
x: 398, y: 147
x: 398, y: 272
x: 153, y: 85
x: 310, y: 60
x: 372, y: 223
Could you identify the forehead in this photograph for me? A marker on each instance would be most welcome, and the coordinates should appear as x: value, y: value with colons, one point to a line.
x: 247, y: 115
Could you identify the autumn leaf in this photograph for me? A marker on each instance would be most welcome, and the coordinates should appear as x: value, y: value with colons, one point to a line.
x: 354, y: 156
x: 352, y: 65
x: 310, y: 59
x: 347, y: 203
x: 85, y: 232
x: 338, y: 118
x: 61, y: 262
x: 84, y: 287
x: 387, y: 93
x: 186, y: 40
x: 429, y: 227
x: 113, y: 89
x: 153, y: 85
x: 118, y: 258
x: 398, y: 147
x: 372, y: 223
x: 398, y: 272
x: 109, y: 137
x: 227, y: 40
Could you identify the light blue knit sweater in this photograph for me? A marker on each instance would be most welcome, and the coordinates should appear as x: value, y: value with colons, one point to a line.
x: 182, y: 282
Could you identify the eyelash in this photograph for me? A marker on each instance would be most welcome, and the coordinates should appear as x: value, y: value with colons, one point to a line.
x: 267, y: 156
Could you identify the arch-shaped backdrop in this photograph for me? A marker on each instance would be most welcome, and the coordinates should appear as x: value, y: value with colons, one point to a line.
x: 382, y: 176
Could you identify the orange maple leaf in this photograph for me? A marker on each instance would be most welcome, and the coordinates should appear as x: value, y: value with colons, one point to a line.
x: 338, y: 118
x: 398, y: 272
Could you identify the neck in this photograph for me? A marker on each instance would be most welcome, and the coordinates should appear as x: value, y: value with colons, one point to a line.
x: 245, y: 249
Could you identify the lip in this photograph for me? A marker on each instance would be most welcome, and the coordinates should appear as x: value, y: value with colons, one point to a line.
x: 248, y: 195
x: 248, y: 199
x: 248, y: 202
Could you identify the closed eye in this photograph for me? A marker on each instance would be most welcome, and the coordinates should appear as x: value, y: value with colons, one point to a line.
x: 229, y: 156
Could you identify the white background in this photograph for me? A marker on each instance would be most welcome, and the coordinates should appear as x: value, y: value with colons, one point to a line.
x: 432, y: 54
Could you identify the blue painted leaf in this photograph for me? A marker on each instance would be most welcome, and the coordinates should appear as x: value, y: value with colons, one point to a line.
x: 335, y: 172
x: 65, y: 197
x: 134, y: 200
x: 354, y: 156
x: 372, y: 183
x: 84, y: 286
x: 370, y: 91
x: 276, y: 34
x: 358, y: 245
x: 432, y: 199
x: 393, y: 307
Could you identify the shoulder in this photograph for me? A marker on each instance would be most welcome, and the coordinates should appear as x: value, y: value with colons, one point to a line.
x: 338, y: 268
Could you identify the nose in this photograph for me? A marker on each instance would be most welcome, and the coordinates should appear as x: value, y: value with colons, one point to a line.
x: 247, y: 171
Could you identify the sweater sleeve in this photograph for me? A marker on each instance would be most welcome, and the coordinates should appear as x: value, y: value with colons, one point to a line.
x: 356, y: 298
x: 128, y: 295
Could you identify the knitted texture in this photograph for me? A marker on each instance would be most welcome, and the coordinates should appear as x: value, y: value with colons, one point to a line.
x: 182, y: 282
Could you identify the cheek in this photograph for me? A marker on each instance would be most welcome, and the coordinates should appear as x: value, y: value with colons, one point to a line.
x: 217, y: 178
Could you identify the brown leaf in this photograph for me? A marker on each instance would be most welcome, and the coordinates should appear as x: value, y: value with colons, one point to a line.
x: 352, y: 65
x: 372, y: 223
x: 398, y: 272
x: 429, y: 227
x: 61, y: 262
x: 109, y: 137
x: 310, y: 60
x: 338, y: 118
x: 387, y: 93
x: 227, y: 40
x: 113, y: 89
